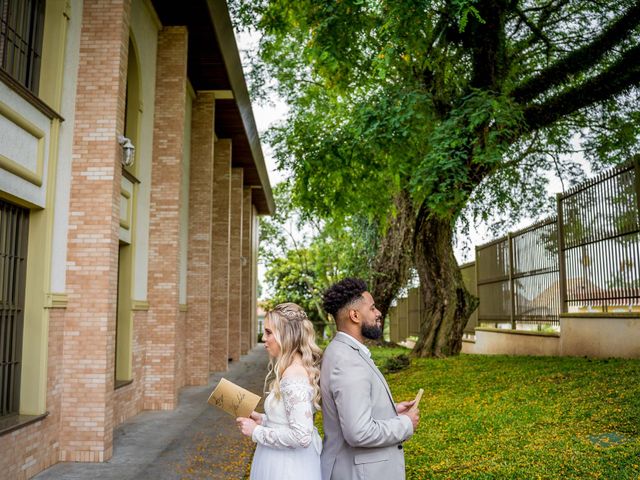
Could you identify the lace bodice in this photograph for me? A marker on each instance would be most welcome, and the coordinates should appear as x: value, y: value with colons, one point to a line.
x: 288, y: 422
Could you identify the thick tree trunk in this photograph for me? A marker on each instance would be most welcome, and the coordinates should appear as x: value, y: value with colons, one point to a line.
x: 394, y: 257
x: 447, y: 305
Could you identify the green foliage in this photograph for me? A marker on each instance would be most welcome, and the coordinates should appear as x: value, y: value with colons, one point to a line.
x: 397, y: 363
x: 443, y: 178
x: 434, y: 98
x: 293, y: 280
x: 302, y: 258
x: 522, y: 417
x: 467, y: 107
x: 381, y: 355
x: 357, y: 158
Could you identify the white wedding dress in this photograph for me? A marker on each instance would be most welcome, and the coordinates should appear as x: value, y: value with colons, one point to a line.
x: 288, y: 444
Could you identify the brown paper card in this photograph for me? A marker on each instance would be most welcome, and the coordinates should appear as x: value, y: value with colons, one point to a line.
x: 234, y: 400
x: 417, y: 399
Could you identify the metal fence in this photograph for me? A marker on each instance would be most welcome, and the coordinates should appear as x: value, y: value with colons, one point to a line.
x: 405, y: 315
x: 600, y: 242
x: 14, y: 225
x: 21, y: 29
x: 536, y: 273
x: 493, y: 280
x: 587, y: 259
x: 518, y: 277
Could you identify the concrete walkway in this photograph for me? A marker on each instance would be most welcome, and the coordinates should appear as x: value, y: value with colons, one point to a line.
x: 194, y: 441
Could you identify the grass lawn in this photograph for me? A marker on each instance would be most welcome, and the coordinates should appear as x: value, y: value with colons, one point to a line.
x: 499, y: 417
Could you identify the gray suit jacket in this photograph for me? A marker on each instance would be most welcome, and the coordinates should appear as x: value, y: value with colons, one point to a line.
x: 363, y: 434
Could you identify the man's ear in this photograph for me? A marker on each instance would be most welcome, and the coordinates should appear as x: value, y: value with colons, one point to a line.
x: 353, y: 315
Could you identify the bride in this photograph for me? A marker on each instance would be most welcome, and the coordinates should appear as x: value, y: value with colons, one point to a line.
x: 288, y: 444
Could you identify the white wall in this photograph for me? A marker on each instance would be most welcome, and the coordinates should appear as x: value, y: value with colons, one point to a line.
x: 25, y: 136
x: 595, y: 335
x: 600, y: 336
x: 184, y: 199
x: 65, y: 147
x: 144, y: 27
x: 510, y: 342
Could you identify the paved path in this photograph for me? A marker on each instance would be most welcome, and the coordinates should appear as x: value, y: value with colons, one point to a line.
x: 194, y: 441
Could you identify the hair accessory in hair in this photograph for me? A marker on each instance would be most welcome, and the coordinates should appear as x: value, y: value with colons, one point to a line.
x: 291, y: 312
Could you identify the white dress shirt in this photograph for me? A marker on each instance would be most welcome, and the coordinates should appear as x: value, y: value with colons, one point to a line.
x: 356, y: 343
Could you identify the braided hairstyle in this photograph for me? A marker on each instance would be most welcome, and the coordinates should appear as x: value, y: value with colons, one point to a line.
x: 293, y: 332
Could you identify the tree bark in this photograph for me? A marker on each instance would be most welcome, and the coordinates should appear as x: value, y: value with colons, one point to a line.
x: 394, y: 257
x: 447, y: 305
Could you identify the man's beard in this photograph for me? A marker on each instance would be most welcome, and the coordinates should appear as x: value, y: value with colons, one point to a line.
x: 372, y: 332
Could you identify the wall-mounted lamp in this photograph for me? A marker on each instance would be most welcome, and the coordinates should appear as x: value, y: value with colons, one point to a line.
x: 128, y: 150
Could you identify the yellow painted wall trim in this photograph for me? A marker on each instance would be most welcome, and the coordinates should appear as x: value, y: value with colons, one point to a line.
x: 124, y: 322
x: 130, y: 176
x: 517, y: 332
x: 139, y: 305
x: 57, y: 15
x: 126, y: 221
x: 223, y: 94
x: 21, y: 202
x: 183, y: 307
x: 14, y: 167
x: 33, y: 383
x: 153, y: 14
x: 190, y: 90
x: 56, y: 300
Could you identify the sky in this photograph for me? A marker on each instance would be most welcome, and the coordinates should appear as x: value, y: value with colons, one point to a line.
x: 265, y: 115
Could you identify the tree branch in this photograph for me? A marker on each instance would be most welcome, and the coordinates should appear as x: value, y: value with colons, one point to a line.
x: 621, y: 76
x: 537, y: 32
x: 486, y: 41
x: 581, y: 59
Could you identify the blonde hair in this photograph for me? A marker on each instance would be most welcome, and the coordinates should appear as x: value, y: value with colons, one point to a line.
x: 294, y: 333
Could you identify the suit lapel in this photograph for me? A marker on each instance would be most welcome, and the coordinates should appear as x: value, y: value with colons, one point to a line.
x: 369, y: 362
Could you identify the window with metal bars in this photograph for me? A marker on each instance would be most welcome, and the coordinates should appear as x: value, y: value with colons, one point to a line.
x: 21, y: 26
x: 14, y: 227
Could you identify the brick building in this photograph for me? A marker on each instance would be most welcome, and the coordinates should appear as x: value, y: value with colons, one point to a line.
x: 125, y: 274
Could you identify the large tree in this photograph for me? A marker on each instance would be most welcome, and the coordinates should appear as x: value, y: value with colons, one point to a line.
x: 303, y: 256
x: 456, y: 105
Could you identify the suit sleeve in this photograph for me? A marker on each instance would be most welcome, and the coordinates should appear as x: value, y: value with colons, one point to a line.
x: 351, y: 388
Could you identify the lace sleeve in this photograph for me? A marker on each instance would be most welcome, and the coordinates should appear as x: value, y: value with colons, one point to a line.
x: 297, y: 399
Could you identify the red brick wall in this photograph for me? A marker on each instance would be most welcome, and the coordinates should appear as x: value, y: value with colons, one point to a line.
x: 247, y: 290
x: 219, y: 351
x: 235, y: 266
x: 128, y: 400
x: 161, y: 375
x: 180, y: 352
x: 199, y: 252
x: 86, y: 420
x: 255, y: 238
x: 29, y: 450
x: 170, y: 348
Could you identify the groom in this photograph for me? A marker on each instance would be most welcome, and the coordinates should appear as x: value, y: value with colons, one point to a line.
x: 363, y: 427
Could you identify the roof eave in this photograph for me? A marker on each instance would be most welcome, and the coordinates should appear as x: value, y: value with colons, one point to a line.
x: 226, y: 39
